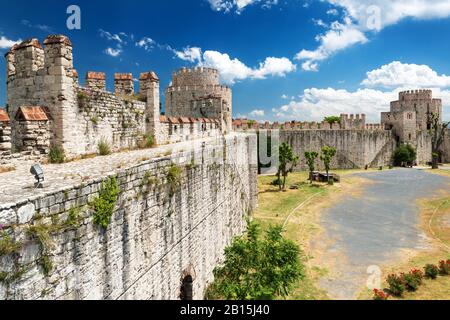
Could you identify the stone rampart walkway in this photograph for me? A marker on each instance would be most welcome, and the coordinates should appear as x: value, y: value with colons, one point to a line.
x: 18, y: 186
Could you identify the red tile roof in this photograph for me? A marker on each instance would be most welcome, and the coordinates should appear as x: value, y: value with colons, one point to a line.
x: 123, y: 76
x: 149, y: 76
x: 185, y: 120
x: 57, y: 38
x: 174, y: 120
x: 32, y: 113
x: 96, y: 75
x: 4, y: 116
x: 163, y: 119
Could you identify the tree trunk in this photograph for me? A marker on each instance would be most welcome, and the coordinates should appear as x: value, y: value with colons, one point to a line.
x: 279, y: 179
x: 311, y: 177
x: 435, y: 163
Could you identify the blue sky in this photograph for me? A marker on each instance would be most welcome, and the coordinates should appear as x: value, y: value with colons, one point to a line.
x: 285, y: 59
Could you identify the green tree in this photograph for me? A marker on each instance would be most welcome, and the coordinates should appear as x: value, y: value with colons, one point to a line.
x: 311, y: 158
x: 333, y: 119
x: 258, y: 267
x: 437, y: 133
x: 251, y: 123
x: 328, y: 154
x: 405, y: 154
x: 288, y: 160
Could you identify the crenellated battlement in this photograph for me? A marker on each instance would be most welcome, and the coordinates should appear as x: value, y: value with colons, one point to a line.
x: 416, y: 95
x: 353, y: 121
x: 207, y: 87
x: 79, y: 116
x: 374, y: 127
x: 195, y: 76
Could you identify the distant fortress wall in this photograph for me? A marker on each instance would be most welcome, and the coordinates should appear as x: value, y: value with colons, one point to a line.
x: 355, y: 148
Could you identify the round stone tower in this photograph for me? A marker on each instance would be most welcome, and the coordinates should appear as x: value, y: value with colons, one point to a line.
x: 197, y: 93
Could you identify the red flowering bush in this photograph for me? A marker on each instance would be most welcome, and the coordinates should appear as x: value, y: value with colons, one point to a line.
x: 396, y: 285
x: 444, y: 267
x: 431, y: 271
x: 380, y: 295
x: 412, y: 280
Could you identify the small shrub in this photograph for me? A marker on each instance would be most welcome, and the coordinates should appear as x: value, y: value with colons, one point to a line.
x: 7, y: 245
x: 42, y: 233
x: 417, y: 274
x: 103, y: 148
x: 104, y: 204
x: 141, y: 98
x: 396, y: 285
x: 431, y: 271
x: 411, y: 281
x: 277, y: 182
x: 405, y: 154
x: 46, y: 263
x: 73, y: 220
x: 56, y: 155
x: 444, y: 267
x: 147, y: 142
x: 380, y: 295
x: 174, y: 178
x: 83, y: 99
x: 95, y: 120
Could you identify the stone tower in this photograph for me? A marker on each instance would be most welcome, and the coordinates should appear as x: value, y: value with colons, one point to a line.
x: 149, y: 89
x: 44, y: 77
x: 410, y: 114
x: 197, y: 93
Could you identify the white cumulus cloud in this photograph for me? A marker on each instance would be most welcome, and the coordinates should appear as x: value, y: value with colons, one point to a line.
x: 146, y: 43
x: 315, y: 104
x: 6, y: 43
x: 257, y: 113
x: 239, y: 5
x: 232, y: 70
x: 362, y: 18
x: 397, y: 74
x: 339, y: 37
x: 113, y: 52
x: 191, y: 54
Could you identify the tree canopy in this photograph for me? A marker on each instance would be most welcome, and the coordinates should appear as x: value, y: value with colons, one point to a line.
x: 257, y: 267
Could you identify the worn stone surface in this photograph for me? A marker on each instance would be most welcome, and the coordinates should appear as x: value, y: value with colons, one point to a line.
x: 156, y: 236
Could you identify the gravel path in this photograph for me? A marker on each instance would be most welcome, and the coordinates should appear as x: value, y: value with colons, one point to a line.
x: 374, y: 228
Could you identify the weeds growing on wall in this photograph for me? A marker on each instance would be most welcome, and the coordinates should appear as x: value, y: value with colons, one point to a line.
x: 83, y: 99
x: 148, y: 141
x: 7, y: 244
x: 103, y: 148
x: 56, y: 155
x: 174, y: 178
x: 42, y: 233
x: 104, y: 204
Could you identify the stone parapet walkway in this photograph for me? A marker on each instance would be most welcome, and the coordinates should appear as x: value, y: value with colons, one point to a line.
x: 18, y: 186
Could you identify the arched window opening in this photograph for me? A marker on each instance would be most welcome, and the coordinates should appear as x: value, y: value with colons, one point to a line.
x: 187, y: 289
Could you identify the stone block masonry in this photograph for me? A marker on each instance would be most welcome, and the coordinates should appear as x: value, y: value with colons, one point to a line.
x: 355, y: 148
x: 103, y: 116
x: 156, y: 236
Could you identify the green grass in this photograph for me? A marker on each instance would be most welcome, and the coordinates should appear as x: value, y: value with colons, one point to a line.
x: 275, y: 207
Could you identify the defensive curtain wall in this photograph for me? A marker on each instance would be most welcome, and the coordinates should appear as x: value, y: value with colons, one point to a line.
x: 179, y: 206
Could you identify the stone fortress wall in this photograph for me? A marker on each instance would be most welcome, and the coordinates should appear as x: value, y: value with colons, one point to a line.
x: 355, y: 148
x: 360, y: 144
x: 158, y: 235
x: 79, y: 117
